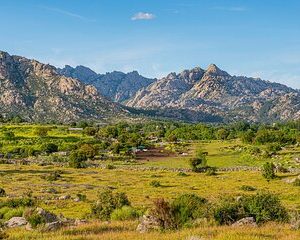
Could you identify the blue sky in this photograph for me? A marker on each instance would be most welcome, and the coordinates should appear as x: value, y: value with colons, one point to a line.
x: 259, y: 38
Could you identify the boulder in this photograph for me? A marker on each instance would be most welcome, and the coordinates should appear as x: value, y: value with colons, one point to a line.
x: 16, y: 222
x: 247, y: 221
x: 47, y: 216
x: 147, y: 223
x: 53, y: 226
x: 65, y: 197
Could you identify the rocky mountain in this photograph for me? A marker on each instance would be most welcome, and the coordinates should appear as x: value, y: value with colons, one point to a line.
x: 117, y: 86
x: 215, y: 94
x: 37, y: 92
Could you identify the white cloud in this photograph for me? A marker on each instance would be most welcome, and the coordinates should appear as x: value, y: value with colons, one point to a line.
x: 142, y: 16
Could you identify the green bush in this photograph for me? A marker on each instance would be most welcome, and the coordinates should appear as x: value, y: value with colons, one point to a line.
x: 18, y: 202
x: 211, y: 171
x: 188, y: 207
x: 268, y: 171
x: 198, y: 163
x: 124, y: 213
x: 162, y: 211
x: 155, y: 183
x: 264, y: 207
x: 77, y: 159
x: 49, y: 148
x: 107, y: 202
x: 33, y: 218
x: 228, y: 211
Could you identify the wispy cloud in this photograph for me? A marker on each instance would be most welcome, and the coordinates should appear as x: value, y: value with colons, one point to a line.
x: 143, y: 16
x: 231, y: 9
x: 69, y: 14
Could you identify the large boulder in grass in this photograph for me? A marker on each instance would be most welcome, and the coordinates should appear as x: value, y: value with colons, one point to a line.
x: 247, y: 221
x: 148, y: 223
x: 15, y: 222
x: 47, y: 216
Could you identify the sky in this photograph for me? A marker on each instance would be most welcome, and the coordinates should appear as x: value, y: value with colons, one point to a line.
x: 258, y: 38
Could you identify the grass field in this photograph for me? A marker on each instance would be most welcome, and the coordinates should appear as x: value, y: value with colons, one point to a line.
x: 19, y: 180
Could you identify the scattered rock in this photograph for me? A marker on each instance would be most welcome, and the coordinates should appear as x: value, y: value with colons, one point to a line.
x: 76, y: 199
x: 295, y: 225
x: 65, y: 197
x: 148, y: 223
x: 47, y: 216
x: 247, y: 221
x: 53, y: 226
x: 78, y: 222
x: 16, y: 222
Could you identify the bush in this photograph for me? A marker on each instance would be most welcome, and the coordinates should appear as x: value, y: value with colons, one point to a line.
x: 77, y: 159
x: 41, y: 131
x: 124, y: 213
x: 107, y: 202
x: 211, y: 171
x: 182, y: 174
x: 49, y: 148
x: 199, y: 163
x: 162, y: 211
x: 17, y: 202
x: 33, y: 218
x: 110, y: 166
x: 188, y: 207
x: 155, y: 183
x: 2, y: 192
x: 264, y: 207
x: 53, y: 176
x: 228, y: 211
x: 268, y: 171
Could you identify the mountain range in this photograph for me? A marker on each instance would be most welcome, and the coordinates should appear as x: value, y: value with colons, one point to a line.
x: 41, y: 92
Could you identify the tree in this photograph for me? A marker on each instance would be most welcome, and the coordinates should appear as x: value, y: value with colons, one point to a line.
x: 49, y: 148
x: 222, y: 134
x: 77, y: 159
x: 268, y: 171
x: 199, y: 162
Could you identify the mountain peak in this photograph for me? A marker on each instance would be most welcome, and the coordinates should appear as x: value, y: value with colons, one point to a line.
x: 214, y: 70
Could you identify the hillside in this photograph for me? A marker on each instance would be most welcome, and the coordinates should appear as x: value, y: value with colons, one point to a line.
x: 217, y: 93
x: 117, y: 86
x: 36, y: 92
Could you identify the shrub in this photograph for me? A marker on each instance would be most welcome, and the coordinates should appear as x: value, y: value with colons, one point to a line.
x: 8, y: 135
x: 110, y: 166
x: 211, y: 171
x: 33, y: 218
x: 198, y: 163
x: 268, y: 171
x: 124, y: 213
x: 41, y: 131
x: 88, y: 150
x: 155, y: 183
x: 49, y: 148
x: 228, y: 211
x: 264, y: 207
x: 81, y: 197
x: 188, y: 207
x: 107, y: 202
x: 18, y: 202
x: 162, y: 211
x: 2, y: 192
x: 247, y: 188
x: 77, y: 159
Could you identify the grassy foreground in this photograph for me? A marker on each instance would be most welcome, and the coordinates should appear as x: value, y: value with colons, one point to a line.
x: 126, y: 230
